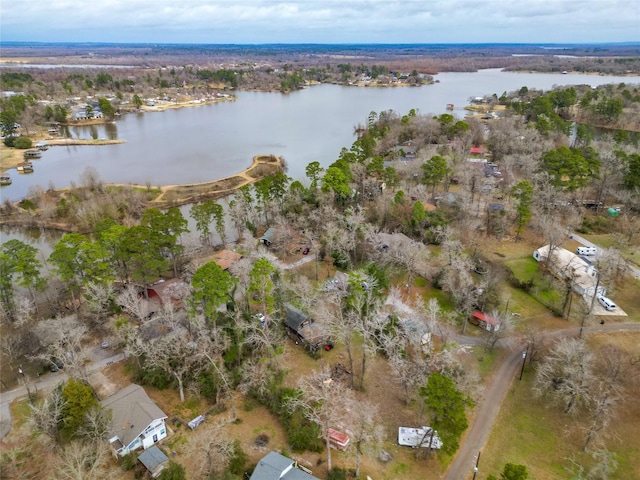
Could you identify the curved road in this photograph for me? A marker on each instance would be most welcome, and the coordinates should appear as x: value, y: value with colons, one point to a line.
x: 46, y: 381
x: 462, y: 466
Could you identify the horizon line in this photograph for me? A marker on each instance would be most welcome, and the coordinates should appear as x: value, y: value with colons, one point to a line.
x: 48, y: 42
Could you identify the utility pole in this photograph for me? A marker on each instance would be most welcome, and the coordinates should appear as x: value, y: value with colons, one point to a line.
x: 524, y: 360
x: 475, y: 469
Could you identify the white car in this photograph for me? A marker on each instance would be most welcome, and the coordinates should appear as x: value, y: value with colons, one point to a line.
x: 606, y: 303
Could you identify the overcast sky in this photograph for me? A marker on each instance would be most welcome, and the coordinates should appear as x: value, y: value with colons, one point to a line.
x: 320, y: 21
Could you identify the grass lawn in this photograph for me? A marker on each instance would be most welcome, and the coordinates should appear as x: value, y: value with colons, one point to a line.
x: 627, y: 296
x: 523, y: 303
x: 524, y: 269
x: 487, y: 360
x: 543, y: 438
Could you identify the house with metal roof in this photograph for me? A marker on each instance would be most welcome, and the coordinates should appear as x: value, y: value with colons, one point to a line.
x: 485, y: 321
x: 578, y: 269
x: 136, y: 421
x: 274, y: 466
x: 303, y: 329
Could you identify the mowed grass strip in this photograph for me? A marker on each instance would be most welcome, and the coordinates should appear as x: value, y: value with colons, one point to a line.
x: 528, y: 433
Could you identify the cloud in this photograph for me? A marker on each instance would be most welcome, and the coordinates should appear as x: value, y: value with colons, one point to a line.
x: 321, y: 21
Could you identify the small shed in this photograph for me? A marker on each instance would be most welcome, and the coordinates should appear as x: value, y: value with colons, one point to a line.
x: 268, y: 237
x: 485, y: 321
x: 154, y: 460
x: 338, y: 440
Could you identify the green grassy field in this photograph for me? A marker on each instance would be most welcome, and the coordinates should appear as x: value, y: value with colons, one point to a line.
x: 530, y: 432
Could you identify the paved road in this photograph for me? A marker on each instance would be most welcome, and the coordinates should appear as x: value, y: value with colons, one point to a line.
x: 462, y: 466
x: 47, y: 381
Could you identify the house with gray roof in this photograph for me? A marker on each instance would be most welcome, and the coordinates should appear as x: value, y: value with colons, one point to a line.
x: 154, y: 460
x: 136, y: 421
x: 274, y: 466
x: 303, y: 329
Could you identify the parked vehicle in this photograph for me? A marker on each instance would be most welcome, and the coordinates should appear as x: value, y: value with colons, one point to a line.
x: 587, y: 251
x: 606, y: 303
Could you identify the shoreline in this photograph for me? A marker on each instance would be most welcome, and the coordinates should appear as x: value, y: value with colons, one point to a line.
x: 12, y: 157
x: 261, y: 166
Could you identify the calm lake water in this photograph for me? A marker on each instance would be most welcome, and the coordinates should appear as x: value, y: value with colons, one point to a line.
x: 203, y: 143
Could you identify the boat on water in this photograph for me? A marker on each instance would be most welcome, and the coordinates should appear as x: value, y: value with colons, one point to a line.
x: 32, y: 154
x: 25, y: 167
x: 42, y: 146
x: 5, y: 179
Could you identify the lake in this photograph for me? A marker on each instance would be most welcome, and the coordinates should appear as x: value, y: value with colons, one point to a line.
x: 202, y: 143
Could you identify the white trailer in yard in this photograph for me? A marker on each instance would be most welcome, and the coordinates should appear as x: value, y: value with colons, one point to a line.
x: 424, y: 437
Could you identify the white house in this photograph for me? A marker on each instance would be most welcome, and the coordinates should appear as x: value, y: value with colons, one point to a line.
x: 568, y: 265
x: 136, y: 421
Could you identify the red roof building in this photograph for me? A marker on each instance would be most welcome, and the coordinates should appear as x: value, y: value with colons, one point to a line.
x: 485, y: 321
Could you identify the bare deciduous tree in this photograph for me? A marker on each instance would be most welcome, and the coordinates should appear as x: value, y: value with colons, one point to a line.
x: 324, y: 402
x: 614, y: 374
x: 174, y: 354
x: 505, y: 330
x: 216, y: 448
x: 458, y: 281
x: 366, y: 431
x: 68, y: 348
x: 98, y: 298
x: 46, y: 416
x: 605, y: 464
x: 83, y: 460
x: 566, y: 374
x: 133, y: 303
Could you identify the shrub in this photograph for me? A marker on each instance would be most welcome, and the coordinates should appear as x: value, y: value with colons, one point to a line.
x: 337, y: 473
x: 238, y: 460
x: 129, y: 461
x: 22, y: 143
x: 8, y: 140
